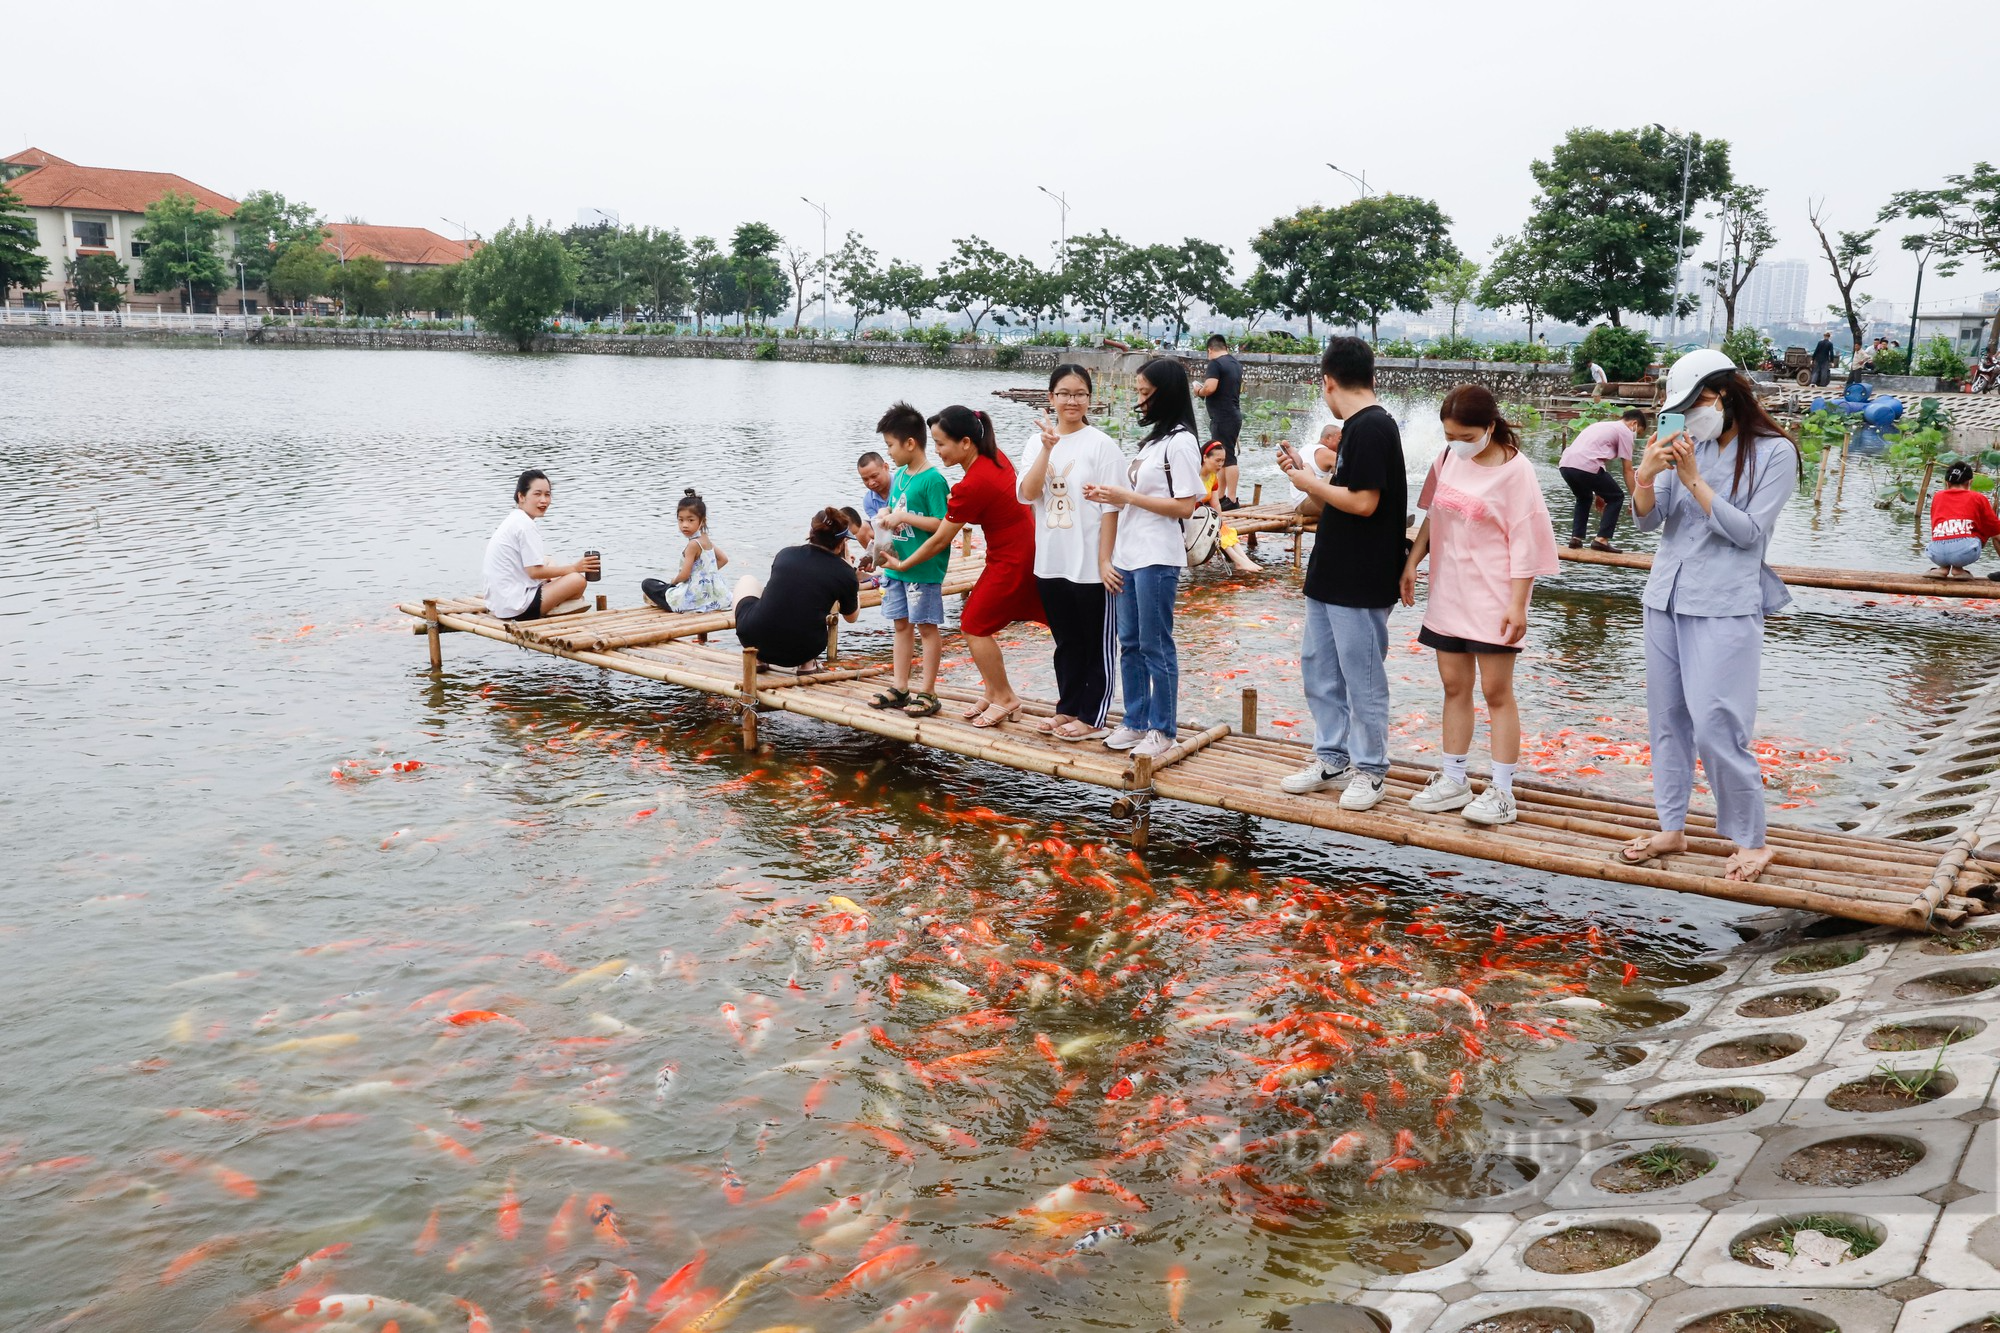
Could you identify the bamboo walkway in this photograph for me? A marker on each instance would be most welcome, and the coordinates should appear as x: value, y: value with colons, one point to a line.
x: 1562, y: 830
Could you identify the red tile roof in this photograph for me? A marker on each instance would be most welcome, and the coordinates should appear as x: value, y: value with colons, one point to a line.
x: 395, y: 245
x: 55, y: 183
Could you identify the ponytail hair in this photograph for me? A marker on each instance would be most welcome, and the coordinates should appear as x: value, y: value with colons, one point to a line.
x: 829, y: 530
x: 965, y: 423
x: 1475, y: 407
x: 691, y: 501
x: 1958, y: 473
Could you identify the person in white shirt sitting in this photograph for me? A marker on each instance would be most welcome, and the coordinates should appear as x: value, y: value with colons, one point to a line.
x: 521, y: 584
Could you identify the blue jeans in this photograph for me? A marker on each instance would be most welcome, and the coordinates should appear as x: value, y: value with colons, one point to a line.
x: 1955, y: 552
x: 1148, y: 667
x: 1344, y: 668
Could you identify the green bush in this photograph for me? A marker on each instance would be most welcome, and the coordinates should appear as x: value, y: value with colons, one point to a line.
x: 1624, y: 354
x: 766, y: 351
x: 1938, y: 357
x: 1892, y: 361
x: 1280, y: 342
x: 1048, y: 338
x: 1460, y: 348
x: 1008, y: 356
x: 937, y: 338
x: 1525, y: 353
x: 1748, y: 348
x: 1402, y: 347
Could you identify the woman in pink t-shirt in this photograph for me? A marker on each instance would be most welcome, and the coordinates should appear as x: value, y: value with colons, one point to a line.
x: 1486, y: 530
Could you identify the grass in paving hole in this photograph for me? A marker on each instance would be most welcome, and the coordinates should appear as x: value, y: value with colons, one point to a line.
x: 1965, y: 941
x: 1661, y: 1166
x: 1783, y: 1005
x: 1913, y: 1037
x: 1759, y: 1319
x: 1822, y: 960
x: 1781, y: 1236
x: 1702, y: 1108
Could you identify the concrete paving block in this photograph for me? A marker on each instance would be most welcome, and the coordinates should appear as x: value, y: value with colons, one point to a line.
x: 1674, y: 1228
x: 1944, y: 1311
x: 1981, y: 1167
x: 1981, y: 1019
x: 1552, y: 1161
x: 1732, y: 1153
x: 1764, y: 972
x: 1965, y: 1246
x: 1907, y: 1220
x: 1608, y: 1311
x: 1973, y: 1077
x: 1733, y: 966
x: 1816, y: 1037
x: 1552, y: 1117
x: 1943, y: 1142
x: 1884, y: 985
x: 1657, y: 1055
x: 1483, y: 1233
x: 1777, y: 1090
x: 1404, y: 1311
x: 1844, y: 994
x: 1849, y: 1311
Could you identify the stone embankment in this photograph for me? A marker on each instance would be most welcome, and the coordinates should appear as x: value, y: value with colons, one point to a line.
x: 1507, y: 379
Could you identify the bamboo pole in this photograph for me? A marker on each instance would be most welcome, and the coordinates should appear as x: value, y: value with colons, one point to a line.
x: 823, y: 677
x: 1257, y: 494
x: 603, y: 602
x: 1807, y: 576
x: 749, y: 690
x: 1173, y: 755
x: 1250, y: 711
x: 1840, y: 487
x: 832, y: 639
x: 436, y: 644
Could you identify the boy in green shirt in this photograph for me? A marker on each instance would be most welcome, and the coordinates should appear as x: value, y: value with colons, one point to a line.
x: 913, y: 598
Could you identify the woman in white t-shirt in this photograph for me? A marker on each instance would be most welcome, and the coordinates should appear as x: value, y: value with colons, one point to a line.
x: 520, y: 581
x: 1057, y: 462
x: 1143, y: 553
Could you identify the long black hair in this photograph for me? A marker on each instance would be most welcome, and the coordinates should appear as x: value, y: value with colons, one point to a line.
x: 1741, y: 410
x: 964, y: 423
x: 1171, y: 407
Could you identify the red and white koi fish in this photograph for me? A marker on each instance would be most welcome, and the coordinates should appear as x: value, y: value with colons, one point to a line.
x: 679, y: 1284
x: 873, y: 1273
x: 975, y: 1313
x: 317, y: 1259
x: 577, y: 1145
x: 1448, y: 995
x: 1341, y: 1149
x: 818, y: 1171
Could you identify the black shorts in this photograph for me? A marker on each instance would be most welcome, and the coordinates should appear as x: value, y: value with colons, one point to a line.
x: 1227, y: 432
x: 534, y: 611
x: 1451, y: 643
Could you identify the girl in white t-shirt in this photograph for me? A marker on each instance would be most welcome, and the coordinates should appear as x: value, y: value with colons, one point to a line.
x: 1057, y: 462
x: 1144, y: 553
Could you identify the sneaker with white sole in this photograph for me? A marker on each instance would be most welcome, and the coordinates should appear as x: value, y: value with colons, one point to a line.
x: 1442, y: 794
x: 1156, y: 744
x: 1363, y: 791
x: 1124, y: 738
x: 1492, y: 807
x: 1315, y: 776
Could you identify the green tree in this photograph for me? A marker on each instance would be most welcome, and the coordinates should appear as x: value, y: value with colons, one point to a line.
x: 1747, y: 347
x: 1518, y: 278
x: 1608, y: 214
x: 857, y: 278
x: 1196, y: 273
x: 1850, y: 255
x: 21, y: 265
x: 607, y: 277
x: 1383, y: 248
x: 708, y: 275
x: 658, y: 258
x: 361, y: 285
x: 303, y: 270
x: 977, y: 279
x: 905, y: 288
x: 1140, y: 293
x: 1035, y: 294
x: 1624, y: 353
x: 1293, y: 273
x: 518, y: 280
x: 1091, y: 267
x: 267, y: 224
x: 756, y: 284
x: 439, y: 290
x: 96, y: 282
x: 1746, y: 238
x: 1453, y: 282
x: 183, y: 248
x: 1966, y: 209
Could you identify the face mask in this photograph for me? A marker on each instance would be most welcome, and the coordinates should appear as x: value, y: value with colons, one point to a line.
x: 1470, y: 448
x: 1705, y: 424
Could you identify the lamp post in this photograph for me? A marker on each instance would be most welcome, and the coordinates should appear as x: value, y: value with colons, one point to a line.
x: 1062, y: 244
x: 1680, y: 229
x: 242, y: 291
x: 1361, y: 180
x: 824, y: 217
x: 187, y: 268
x: 464, y: 232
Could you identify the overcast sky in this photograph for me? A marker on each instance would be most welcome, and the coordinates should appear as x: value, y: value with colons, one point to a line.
x: 918, y: 123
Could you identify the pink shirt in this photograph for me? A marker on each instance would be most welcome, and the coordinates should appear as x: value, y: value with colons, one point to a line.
x: 1598, y: 445
x: 1489, y: 526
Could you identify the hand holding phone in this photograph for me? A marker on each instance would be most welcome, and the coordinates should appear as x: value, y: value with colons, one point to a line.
x: 1672, y: 424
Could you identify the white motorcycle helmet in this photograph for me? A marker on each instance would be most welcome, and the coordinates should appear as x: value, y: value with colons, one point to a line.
x: 1691, y: 374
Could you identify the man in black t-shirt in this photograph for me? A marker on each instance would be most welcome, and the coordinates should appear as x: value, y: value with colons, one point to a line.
x: 1222, y: 387
x: 1352, y: 581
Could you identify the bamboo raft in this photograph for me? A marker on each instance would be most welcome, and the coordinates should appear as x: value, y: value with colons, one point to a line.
x: 1561, y: 830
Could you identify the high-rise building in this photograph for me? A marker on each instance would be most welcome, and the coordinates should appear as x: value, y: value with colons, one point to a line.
x: 1775, y: 294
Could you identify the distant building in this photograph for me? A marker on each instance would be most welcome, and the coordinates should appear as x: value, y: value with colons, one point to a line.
x: 400, y: 248
x: 1775, y: 294
x: 95, y: 210
x: 1966, y: 330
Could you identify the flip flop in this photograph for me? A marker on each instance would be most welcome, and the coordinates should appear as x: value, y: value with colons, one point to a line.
x: 986, y: 721
x: 1650, y: 857
x: 1088, y: 733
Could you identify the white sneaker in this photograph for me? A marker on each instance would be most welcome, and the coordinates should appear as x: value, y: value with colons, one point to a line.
x: 1315, y: 776
x: 1363, y: 791
x: 1124, y: 738
x: 1493, y: 807
x: 1156, y: 744
x: 1442, y: 794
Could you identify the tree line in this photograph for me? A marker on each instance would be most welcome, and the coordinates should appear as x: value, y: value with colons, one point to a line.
x: 1605, y: 239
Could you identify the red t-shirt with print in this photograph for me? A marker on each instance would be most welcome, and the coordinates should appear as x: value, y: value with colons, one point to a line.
x: 1962, y: 514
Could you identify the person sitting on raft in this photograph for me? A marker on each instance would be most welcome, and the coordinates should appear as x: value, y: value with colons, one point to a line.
x: 1214, y: 461
x: 784, y: 618
x: 521, y: 584
x: 698, y: 584
x: 1962, y: 520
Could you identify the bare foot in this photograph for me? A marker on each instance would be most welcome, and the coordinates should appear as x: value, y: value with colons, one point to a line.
x: 1641, y: 850
x: 1748, y: 863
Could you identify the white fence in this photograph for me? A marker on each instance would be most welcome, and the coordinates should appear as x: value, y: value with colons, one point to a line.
x: 174, y: 320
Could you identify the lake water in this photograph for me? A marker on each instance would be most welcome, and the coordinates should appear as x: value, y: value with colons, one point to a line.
x: 260, y: 861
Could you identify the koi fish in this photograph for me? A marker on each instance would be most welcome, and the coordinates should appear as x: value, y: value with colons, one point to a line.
x: 876, y: 1272
x: 1177, y: 1280
x: 577, y: 1145
x: 475, y: 1318
x: 682, y: 1280
x: 1341, y: 1149
x: 316, y: 1259
x: 1092, y: 1241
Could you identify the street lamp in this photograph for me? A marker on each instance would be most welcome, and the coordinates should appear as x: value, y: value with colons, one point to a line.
x: 464, y: 232
x: 823, y: 218
x: 1361, y: 180
x: 242, y: 291
x: 1680, y: 229
x: 1062, y: 241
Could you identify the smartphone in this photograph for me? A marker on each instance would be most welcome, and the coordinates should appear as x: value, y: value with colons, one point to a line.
x: 1672, y: 424
x: 1285, y: 450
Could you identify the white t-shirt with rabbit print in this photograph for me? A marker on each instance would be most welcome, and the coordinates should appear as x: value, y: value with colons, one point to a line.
x: 1066, y: 524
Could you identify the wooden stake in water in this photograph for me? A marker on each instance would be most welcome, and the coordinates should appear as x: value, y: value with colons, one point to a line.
x: 431, y: 632
x: 603, y: 602
x: 1250, y: 711
x: 749, y: 698
x: 832, y: 639
x: 1257, y: 494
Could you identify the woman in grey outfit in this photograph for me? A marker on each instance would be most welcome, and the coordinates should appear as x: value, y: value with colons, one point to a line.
x: 1714, y: 493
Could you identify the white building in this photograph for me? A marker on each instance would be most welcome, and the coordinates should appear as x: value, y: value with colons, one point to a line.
x: 1775, y: 294
x: 1965, y: 329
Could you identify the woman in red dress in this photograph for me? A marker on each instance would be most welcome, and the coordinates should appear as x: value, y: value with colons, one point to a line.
x: 986, y: 496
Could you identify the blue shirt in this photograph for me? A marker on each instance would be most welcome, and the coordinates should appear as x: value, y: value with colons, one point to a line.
x: 872, y: 504
x: 1712, y: 564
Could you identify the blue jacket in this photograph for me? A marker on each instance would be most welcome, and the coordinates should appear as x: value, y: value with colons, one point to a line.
x: 1713, y: 564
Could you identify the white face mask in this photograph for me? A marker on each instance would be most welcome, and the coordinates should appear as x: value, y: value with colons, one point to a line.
x: 1704, y: 424
x: 1470, y: 448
